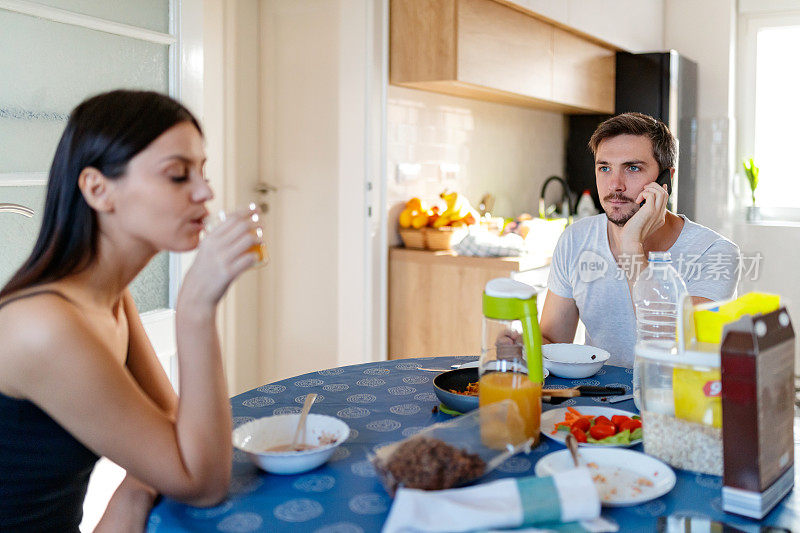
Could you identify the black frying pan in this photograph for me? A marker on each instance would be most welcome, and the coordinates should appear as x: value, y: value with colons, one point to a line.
x: 457, y: 380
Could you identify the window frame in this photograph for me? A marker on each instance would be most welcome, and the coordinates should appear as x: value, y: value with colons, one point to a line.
x: 755, y: 15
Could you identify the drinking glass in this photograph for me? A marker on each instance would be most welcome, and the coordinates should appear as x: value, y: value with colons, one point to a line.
x: 259, y: 249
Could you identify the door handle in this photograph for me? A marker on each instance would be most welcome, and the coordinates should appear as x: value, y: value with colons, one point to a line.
x: 16, y: 208
x: 262, y: 189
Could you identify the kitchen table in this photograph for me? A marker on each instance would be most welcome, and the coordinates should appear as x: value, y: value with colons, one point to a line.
x: 384, y: 402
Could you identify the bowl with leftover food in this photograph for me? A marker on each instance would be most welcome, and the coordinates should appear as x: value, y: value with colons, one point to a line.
x: 266, y: 441
x: 622, y: 477
x: 573, y: 360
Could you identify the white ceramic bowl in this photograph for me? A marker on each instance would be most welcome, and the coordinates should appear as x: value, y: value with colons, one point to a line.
x: 573, y: 360
x: 258, y: 435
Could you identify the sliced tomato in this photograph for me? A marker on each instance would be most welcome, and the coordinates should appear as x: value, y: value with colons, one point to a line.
x: 619, y: 419
x: 631, y: 425
x: 582, y: 423
x: 580, y: 435
x: 603, y: 420
x: 601, y: 431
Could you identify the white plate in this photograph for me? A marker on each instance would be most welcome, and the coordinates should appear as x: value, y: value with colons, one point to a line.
x: 552, y: 417
x: 622, y: 470
x: 475, y: 364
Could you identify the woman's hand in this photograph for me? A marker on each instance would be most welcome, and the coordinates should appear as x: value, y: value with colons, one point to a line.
x: 129, y: 507
x: 224, y: 253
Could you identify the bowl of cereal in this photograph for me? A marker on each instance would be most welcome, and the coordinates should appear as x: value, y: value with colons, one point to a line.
x: 267, y: 442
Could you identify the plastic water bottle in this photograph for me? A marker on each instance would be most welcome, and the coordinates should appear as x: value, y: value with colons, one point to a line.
x: 657, y: 293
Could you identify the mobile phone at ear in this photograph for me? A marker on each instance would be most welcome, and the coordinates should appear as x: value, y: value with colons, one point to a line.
x: 663, y: 178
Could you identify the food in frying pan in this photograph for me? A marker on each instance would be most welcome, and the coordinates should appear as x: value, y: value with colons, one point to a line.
x: 471, y: 390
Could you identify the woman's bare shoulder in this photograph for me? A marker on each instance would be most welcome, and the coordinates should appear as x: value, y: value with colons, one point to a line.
x: 35, y: 326
x: 38, y: 310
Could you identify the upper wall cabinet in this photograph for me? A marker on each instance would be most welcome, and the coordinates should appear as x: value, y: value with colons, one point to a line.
x: 486, y: 50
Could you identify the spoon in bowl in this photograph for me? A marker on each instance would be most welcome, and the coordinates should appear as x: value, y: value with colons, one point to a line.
x: 301, y: 425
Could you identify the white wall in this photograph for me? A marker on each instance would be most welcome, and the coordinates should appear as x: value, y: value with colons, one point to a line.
x: 632, y: 25
x: 687, y: 30
x: 707, y: 33
x: 505, y: 150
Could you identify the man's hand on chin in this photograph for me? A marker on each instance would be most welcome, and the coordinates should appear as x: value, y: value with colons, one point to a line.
x: 646, y: 221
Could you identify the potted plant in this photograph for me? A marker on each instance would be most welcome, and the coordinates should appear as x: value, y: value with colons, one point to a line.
x: 751, y: 173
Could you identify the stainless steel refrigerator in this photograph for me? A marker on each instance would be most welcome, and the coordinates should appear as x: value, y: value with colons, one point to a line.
x: 660, y: 84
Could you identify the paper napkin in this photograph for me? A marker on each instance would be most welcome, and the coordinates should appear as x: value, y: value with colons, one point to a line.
x: 568, y: 496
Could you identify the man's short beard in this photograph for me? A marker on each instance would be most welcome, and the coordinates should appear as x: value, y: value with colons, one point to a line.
x: 621, y: 220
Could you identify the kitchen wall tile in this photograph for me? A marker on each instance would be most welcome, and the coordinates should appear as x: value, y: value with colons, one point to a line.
x: 505, y: 150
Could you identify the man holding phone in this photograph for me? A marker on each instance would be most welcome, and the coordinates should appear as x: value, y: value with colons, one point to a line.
x: 598, y: 259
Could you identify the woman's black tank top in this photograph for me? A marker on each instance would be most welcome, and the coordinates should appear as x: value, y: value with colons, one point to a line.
x: 44, y: 471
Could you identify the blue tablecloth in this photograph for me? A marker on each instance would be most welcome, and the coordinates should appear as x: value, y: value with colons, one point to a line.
x: 385, y: 402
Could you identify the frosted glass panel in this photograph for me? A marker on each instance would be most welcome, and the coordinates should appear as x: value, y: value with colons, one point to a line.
x: 18, y: 235
x: 149, y: 14
x: 48, y: 68
x: 150, y: 289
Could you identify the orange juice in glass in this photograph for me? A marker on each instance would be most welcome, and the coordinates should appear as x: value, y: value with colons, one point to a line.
x: 259, y: 249
x: 525, y: 409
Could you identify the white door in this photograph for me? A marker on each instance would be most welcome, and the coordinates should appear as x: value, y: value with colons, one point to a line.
x: 307, y: 88
x: 52, y: 57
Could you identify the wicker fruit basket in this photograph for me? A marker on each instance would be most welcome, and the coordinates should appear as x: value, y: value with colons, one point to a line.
x: 442, y: 238
x: 413, y: 238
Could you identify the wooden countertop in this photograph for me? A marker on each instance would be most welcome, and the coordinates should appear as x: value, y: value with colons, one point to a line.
x: 526, y: 262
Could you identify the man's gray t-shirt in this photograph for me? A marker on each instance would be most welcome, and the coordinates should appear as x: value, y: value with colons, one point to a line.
x: 585, y: 270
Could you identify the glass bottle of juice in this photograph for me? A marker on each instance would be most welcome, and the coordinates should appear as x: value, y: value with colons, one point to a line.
x: 522, y: 420
x: 511, y: 364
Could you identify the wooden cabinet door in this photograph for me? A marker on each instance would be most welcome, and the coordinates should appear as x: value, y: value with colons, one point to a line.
x: 422, y: 37
x: 486, y: 50
x: 503, y: 49
x: 583, y: 73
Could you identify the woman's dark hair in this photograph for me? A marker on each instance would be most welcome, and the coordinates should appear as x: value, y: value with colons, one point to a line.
x: 104, y: 132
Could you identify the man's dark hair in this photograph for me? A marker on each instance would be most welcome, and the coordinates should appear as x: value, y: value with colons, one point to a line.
x: 665, y: 147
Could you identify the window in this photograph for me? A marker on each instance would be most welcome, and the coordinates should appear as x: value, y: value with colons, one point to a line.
x: 769, y: 75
